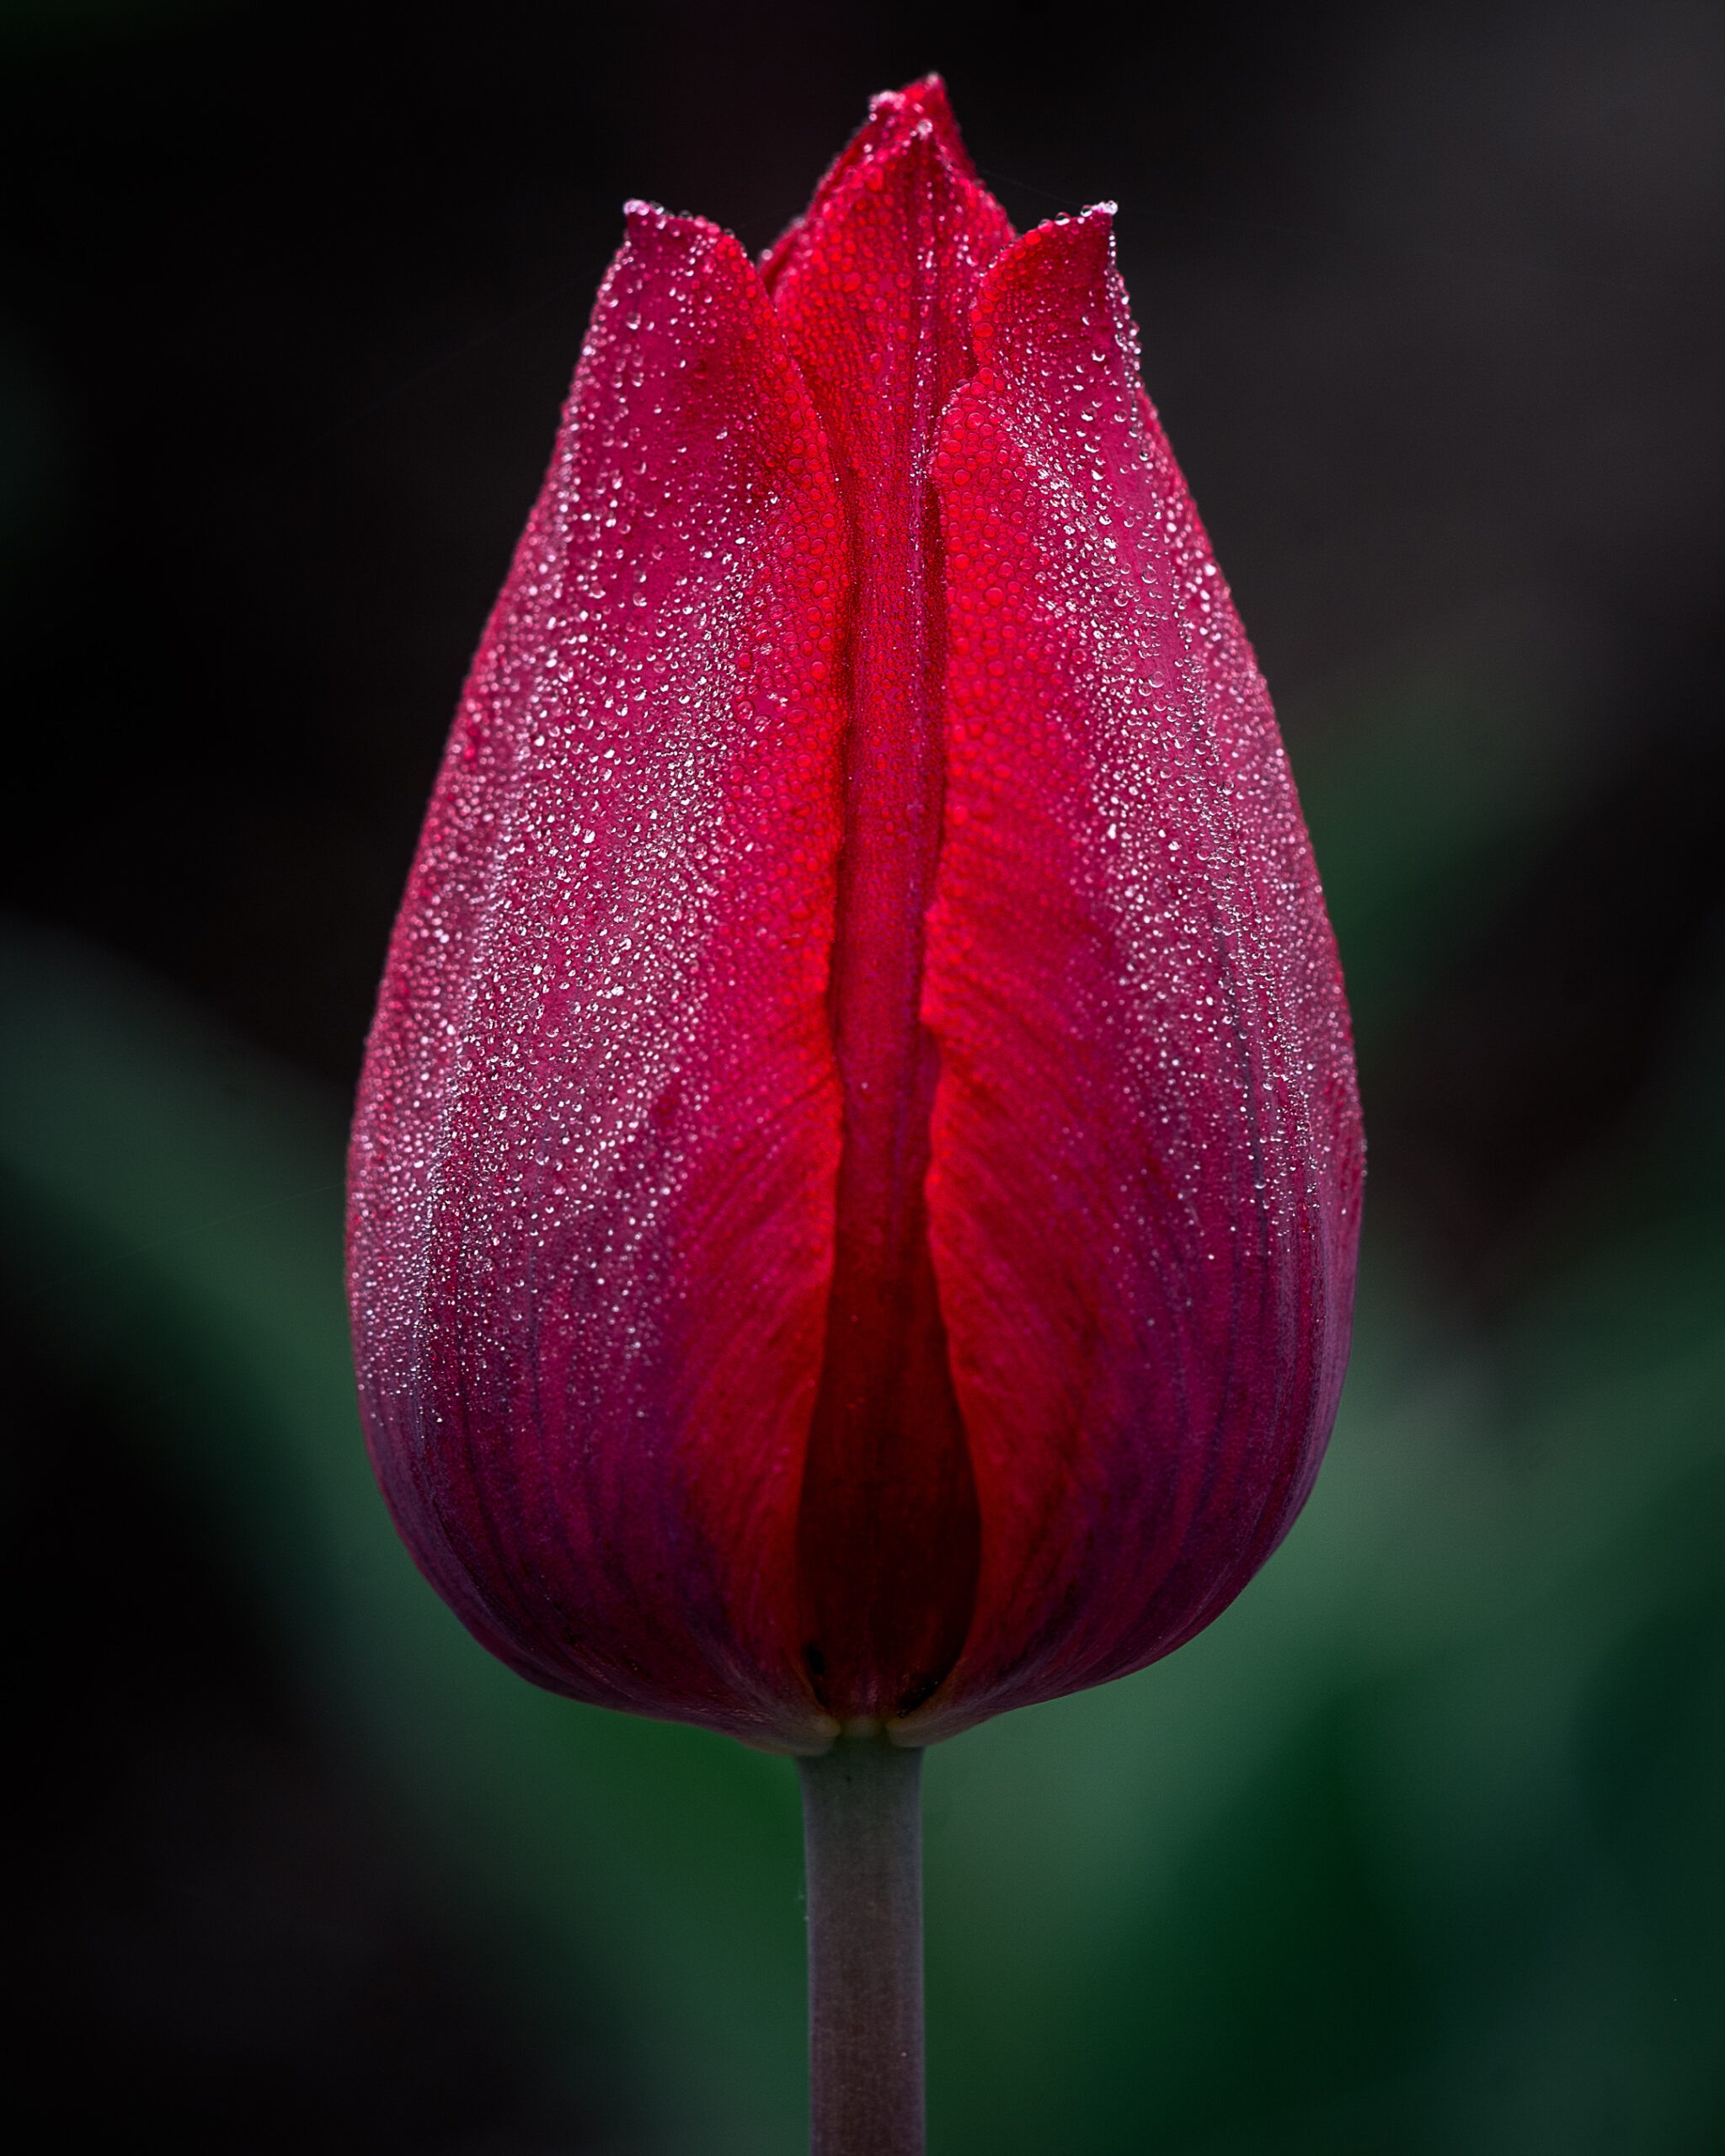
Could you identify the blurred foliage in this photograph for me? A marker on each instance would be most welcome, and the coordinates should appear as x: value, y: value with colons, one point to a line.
x: 1423, y: 808
x: 1417, y: 1848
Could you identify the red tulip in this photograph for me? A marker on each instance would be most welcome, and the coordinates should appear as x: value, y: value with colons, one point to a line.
x: 857, y: 1174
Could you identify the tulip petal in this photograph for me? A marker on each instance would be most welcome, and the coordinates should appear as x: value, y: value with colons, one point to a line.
x: 1146, y: 1160
x: 597, y: 1143
x: 874, y: 291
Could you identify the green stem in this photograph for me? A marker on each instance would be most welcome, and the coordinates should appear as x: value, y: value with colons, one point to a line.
x: 863, y: 1835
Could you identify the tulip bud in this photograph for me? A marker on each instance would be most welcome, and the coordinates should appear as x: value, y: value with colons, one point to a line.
x: 856, y: 1175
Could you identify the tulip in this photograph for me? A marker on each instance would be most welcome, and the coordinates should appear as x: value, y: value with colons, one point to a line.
x: 857, y: 1176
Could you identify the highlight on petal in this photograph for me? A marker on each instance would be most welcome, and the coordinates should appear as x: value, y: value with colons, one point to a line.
x: 874, y: 295
x: 1146, y: 1162
x: 597, y: 1143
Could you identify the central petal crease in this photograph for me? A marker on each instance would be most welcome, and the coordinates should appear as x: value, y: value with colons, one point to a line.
x: 874, y: 292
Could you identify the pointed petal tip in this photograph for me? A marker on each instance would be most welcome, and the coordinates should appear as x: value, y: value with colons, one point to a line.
x: 920, y: 109
x: 926, y: 98
x: 640, y: 216
x: 1097, y: 217
x: 922, y: 106
x: 651, y: 231
x: 928, y: 95
x: 1076, y: 251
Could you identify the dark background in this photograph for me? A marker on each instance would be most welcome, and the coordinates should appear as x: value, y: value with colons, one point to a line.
x: 1432, y: 305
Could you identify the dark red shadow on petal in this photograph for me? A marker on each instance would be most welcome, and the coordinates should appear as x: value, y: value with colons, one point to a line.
x: 889, y: 1536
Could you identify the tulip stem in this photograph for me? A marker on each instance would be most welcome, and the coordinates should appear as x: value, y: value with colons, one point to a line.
x: 862, y: 1839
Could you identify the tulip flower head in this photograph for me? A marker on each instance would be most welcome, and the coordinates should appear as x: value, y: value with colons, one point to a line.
x: 857, y: 1176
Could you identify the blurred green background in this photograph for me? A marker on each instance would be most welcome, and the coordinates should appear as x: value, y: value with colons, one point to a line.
x: 1417, y: 1848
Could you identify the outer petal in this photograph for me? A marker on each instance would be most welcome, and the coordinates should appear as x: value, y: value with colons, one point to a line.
x: 598, y: 1134
x: 1144, y: 1196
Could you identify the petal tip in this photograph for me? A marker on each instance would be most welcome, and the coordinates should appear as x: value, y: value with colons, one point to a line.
x: 919, y: 110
